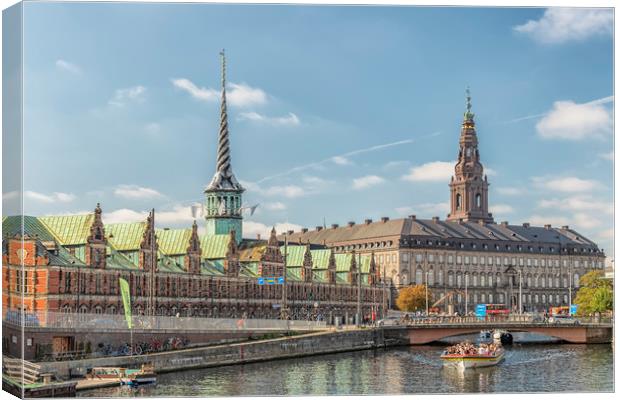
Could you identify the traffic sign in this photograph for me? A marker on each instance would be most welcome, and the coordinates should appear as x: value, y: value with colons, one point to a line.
x: 481, y: 310
x: 270, y: 281
x: 573, y: 309
x: 280, y: 280
x: 261, y: 281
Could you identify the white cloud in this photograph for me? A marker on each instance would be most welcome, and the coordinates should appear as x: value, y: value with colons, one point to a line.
x: 396, y: 164
x: 124, y: 215
x: 569, y: 184
x: 547, y: 219
x: 56, y: 197
x: 571, y: 121
x: 367, y: 181
x: 135, y: 192
x: 10, y: 195
x: 315, y: 180
x: 153, y: 128
x: 288, y: 191
x: 126, y: 95
x: 509, y: 191
x: 501, y: 209
x: 578, y: 203
x: 340, y: 160
x: 252, y: 228
x: 195, y: 91
x: 238, y: 94
x: 69, y: 67
x: 578, y: 220
x: 559, y: 25
x: 179, y: 215
x: 435, y: 171
x: 277, y: 206
x: 425, y: 210
x: 290, y: 120
x: 243, y: 95
x: 606, y: 234
x: 607, y: 156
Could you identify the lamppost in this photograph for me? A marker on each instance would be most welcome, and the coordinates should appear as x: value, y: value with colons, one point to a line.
x: 520, y: 293
x: 283, y: 305
x: 359, y: 289
x: 383, y: 293
x: 426, y: 289
x: 466, y: 297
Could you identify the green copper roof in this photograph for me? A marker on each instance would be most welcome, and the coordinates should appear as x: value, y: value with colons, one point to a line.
x: 214, y: 246
x: 295, y: 256
x: 125, y: 236
x: 320, y: 258
x: 173, y: 241
x: 168, y: 264
x: 293, y: 274
x: 320, y: 276
x: 343, y: 262
x: 365, y: 264
x: 12, y: 225
x: 69, y: 229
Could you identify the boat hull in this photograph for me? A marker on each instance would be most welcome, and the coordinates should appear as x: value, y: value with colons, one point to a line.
x: 467, y: 362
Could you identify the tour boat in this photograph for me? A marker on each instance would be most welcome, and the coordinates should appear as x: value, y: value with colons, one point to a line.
x: 144, y: 375
x: 480, y: 359
x: 485, y: 334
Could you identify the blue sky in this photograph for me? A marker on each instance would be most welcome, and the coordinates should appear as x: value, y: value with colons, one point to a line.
x: 121, y: 107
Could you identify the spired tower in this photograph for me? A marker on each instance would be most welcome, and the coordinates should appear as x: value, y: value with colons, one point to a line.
x: 468, y: 187
x: 223, y: 194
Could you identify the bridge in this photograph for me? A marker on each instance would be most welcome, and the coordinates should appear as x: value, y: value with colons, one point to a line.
x: 430, y: 330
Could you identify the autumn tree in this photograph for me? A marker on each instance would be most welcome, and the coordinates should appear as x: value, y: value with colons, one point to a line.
x: 413, y: 298
x: 595, y: 293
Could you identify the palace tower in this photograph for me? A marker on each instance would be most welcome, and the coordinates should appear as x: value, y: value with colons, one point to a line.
x: 468, y: 187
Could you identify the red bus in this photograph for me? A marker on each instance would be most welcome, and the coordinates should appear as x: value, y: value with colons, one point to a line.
x: 497, y: 311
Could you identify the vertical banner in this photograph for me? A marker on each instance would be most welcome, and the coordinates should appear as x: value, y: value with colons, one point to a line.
x: 126, y: 300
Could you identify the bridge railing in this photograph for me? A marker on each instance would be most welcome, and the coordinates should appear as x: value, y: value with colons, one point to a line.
x: 494, y: 320
x: 56, y: 320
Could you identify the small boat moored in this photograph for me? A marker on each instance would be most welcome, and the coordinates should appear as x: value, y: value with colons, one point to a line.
x: 465, y: 355
x: 503, y: 337
x: 142, y: 376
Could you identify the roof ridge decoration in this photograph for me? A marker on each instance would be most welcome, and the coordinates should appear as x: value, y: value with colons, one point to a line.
x: 307, y: 264
x: 331, y: 267
x: 231, y: 264
x: 193, y: 254
x: 224, y: 179
x: 149, y: 247
x: 96, y: 242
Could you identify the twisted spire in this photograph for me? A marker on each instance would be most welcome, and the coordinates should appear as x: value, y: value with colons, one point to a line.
x: 224, y: 177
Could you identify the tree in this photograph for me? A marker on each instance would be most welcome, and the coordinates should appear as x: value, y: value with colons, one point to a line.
x: 595, y: 294
x: 413, y: 298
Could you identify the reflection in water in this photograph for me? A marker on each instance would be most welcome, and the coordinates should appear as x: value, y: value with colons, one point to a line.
x: 526, y: 368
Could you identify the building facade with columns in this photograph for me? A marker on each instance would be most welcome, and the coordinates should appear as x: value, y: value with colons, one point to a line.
x: 468, y: 258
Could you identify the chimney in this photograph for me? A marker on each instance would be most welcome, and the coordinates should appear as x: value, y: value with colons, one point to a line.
x: 435, y: 219
x: 351, y: 223
x: 504, y: 223
x: 480, y: 222
x: 526, y: 224
x: 548, y: 226
x: 318, y: 228
x: 368, y: 221
x: 412, y: 216
x: 385, y: 219
x: 565, y: 227
x: 304, y: 230
x: 334, y: 226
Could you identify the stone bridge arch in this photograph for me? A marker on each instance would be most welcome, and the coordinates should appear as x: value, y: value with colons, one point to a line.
x: 572, y: 334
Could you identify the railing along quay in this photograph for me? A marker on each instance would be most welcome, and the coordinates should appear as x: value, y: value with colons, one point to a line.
x: 56, y: 320
x: 511, y: 320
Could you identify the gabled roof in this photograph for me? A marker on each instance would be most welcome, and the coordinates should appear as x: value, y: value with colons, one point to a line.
x: 12, y: 225
x: 173, y: 241
x: 125, y: 236
x: 320, y: 258
x: 69, y: 230
x: 215, y: 246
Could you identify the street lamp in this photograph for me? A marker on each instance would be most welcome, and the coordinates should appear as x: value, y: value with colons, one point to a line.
x: 426, y: 289
x: 466, y: 297
x: 520, y: 293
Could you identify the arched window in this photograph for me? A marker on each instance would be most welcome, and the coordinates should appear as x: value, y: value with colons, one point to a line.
x: 478, y: 200
x: 459, y: 298
x: 483, y: 298
x: 542, y: 281
x: 475, y: 297
x: 474, y: 280
x: 550, y: 280
x: 458, y: 201
x: 565, y: 299
x: 419, y: 276
x: 536, y: 298
x: 529, y: 280
x: 458, y: 279
x: 490, y: 298
x: 544, y: 298
x: 564, y: 281
x: 98, y: 310
x: 498, y: 279
x: 490, y: 281
x: 440, y: 276
x: 557, y: 281
x: 431, y: 277
x: 468, y: 151
x: 450, y: 279
x: 501, y: 298
x: 576, y: 280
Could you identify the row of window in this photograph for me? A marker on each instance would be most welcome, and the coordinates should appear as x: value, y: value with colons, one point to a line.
x: 484, y: 280
x: 482, y: 260
x: 488, y: 298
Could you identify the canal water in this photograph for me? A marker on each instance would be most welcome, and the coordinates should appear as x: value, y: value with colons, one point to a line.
x: 527, y: 367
